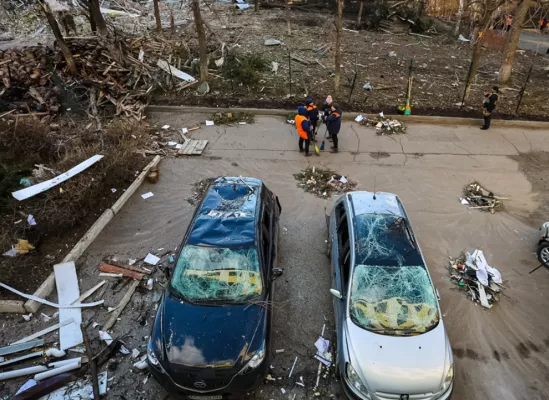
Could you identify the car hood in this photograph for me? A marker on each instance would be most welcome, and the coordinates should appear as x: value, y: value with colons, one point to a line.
x: 399, y: 364
x: 204, y: 336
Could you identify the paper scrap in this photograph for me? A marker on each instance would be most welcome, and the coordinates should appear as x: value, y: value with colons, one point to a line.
x: 147, y: 195
x: 359, y: 118
x: 178, y: 146
x: 152, y: 259
x: 172, y: 143
x: 30, y: 220
x: 343, y: 179
x: 463, y: 201
x: 166, y: 127
x: 184, y: 130
x: 209, y: 123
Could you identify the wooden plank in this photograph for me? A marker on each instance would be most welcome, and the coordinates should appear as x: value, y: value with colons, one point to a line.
x: 119, y: 270
x: 44, y: 331
x: 66, y: 282
x: 88, y: 292
x: 200, y: 147
x: 120, y: 307
x: 185, y: 147
x: 192, y: 146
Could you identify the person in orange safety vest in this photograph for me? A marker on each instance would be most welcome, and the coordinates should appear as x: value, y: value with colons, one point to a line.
x: 303, y: 130
x: 312, y: 113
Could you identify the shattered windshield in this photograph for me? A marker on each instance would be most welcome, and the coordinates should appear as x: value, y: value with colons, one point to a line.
x: 217, y: 274
x: 396, y: 301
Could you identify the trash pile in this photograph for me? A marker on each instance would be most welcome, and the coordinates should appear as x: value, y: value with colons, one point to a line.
x: 200, y: 188
x: 240, y: 118
x: 472, y: 274
x: 383, y: 125
x: 124, y: 78
x: 477, y: 197
x: 323, y: 182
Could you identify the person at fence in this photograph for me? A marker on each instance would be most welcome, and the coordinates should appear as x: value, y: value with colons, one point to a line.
x: 333, y: 123
x: 508, y: 22
x: 489, y: 105
x: 312, y: 114
x: 327, y: 111
x: 303, y: 130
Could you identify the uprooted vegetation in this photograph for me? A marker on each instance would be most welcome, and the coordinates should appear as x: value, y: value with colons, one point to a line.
x: 244, y: 69
x: 323, y: 182
x: 478, y: 197
x: 233, y: 118
x: 33, y: 152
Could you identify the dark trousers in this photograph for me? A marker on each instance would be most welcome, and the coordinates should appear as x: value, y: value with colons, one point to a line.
x: 314, y: 125
x: 335, y: 140
x: 487, y: 119
x: 301, y: 142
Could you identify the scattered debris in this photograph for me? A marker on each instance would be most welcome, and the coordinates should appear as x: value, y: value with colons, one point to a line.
x: 384, y: 126
x: 119, y: 270
x: 232, y: 118
x: 392, y: 54
x: 153, y: 175
x: 472, y: 273
x: 359, y: 118
x: 463, y: 38
x: 293, y: 366
x: 30, y: 220
x: 125, y: 300
x: 272, y: 42
x: 151, y: 259
x: 22, y: 247
x: 274, y: 67
x: 27, y: 317
x: 368, y: 86
x: 16, y: 348
x: 149, y: 284
x: 43, y: 186
x: 477, y: 197
x: 66, y: 282
x: 147, y: 195
x: 193, y: 147
x: 323, y: 182
x: 279, y: 351
x: 200, y: 188
x: 38, y: 369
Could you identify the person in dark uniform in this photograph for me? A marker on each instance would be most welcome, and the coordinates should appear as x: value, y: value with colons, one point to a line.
x: 333, y: 123
x: 312, y: 113
x: 489, y: 105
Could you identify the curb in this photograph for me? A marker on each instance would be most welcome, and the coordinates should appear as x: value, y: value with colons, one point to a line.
x: 48, y: 285
x: 412, y: 119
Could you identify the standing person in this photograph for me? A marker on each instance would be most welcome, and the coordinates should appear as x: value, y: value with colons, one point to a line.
x: 508, y: 22
x: 489, y: 105
x: 327, y: 111
x: 312, y: 113
x: 333, y: 123
x: 303, y: 130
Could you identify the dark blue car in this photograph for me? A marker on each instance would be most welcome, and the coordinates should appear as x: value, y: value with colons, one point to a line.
x: 210, y: 338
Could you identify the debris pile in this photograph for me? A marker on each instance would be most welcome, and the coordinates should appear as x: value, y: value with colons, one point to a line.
x: 383, y: 125
x: 241, y: 118
x: 472, y: 273
x: 121, y: 73
x: 477, y: 197
x: 323, y: 182
x: 200, y: 188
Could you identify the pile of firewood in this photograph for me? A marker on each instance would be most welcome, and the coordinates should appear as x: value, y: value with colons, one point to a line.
x: 122, y: 73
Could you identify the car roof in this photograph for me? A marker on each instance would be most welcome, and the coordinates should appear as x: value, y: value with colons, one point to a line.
x: 384, y: 203
x: 227, y: 216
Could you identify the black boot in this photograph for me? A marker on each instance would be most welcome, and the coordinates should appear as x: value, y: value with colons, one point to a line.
x: 334, y: 150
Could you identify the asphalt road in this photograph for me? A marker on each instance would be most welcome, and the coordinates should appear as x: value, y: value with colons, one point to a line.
x: 500, y: 353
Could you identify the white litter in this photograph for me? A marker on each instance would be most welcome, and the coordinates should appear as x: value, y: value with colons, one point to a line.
x: 381, y: 115
x: 66, y: 282
x: 27, y: 317
x: 151, y: 259
x: 27, y: 385
x: 165, y: 127
x: 293, y: 366
x: 172, y: 143
x: 463, y: 38
x: 463, y: 201
x: 184, y: 130
x: 113, y: 190
x: 343, y: 179
x: 178, y: 146
x: 30, y: 220
x: 283, y: 390
x: 145, y: 196
x: 209, y: 123
x: 149, y: 284
x: 46, y: 185
x: 135, y: 353
x: 174, y: 71
x: 359, y: 118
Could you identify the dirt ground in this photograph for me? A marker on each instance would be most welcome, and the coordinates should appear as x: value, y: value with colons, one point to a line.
x: 499, y: 353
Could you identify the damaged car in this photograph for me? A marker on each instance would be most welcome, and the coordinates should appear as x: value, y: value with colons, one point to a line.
x: 210, y: 339
x: 391, y: 340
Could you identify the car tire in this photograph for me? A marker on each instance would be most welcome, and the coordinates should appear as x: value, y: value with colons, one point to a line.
x: 543, y: 253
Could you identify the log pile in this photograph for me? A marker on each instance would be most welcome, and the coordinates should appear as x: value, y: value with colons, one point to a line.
x: 122, y: 73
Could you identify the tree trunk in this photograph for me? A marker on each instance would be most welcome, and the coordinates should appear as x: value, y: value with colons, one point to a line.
x: 202, y: 49
x: 256, y: 5
x: 337, y: 66
x: 473, y: 67
x: 288, y: 23
x: 96, y: 15
x: 359, y: 18
x: 511, y: 46
x: 59, y: 37
x: 157, y: 16
x: 459, y: 16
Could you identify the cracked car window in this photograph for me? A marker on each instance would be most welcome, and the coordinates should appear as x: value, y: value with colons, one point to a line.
x: 219, y: 274
x: 393, y: 300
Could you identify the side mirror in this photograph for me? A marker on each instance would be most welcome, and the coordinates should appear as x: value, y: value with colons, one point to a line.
x: 276, y: 272
x: 336, y: 293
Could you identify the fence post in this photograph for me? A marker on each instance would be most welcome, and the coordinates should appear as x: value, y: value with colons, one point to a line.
x: 354, y: 77
x: 523, y: 88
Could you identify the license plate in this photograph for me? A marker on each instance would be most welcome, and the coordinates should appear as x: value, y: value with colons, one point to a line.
x: 193, y: 397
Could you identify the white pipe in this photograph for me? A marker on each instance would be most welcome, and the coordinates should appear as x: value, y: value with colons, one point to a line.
x: 57, y: 371
x: 53, y: 352
x: 36, y: 369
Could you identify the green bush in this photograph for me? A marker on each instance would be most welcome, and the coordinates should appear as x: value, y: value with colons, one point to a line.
x: 245, y: 69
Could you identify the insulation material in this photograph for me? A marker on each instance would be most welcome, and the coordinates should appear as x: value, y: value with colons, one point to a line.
x: 385, y: 239
x: 210, y: 273
x: 393, y: 300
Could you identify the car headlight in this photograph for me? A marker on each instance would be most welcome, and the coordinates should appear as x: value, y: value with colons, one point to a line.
x: 151, y: 356
x: 255, y: 361
x: 355, y: 382
x: 449, y: 378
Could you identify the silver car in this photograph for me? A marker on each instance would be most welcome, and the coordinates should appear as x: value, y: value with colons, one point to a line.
x: 391, y: 341
x: 543, y: 244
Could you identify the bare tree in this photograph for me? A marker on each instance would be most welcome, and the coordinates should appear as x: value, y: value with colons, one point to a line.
x: 59, y: 37
x: 288, y: 23
x: 339, y: 26
x: 512, y: 44
x: 95, y: 14
x: 359, y: 18
x: 202, y: 49
x: 157, y: 16
x: 256, y: 5
x: 459, y: 16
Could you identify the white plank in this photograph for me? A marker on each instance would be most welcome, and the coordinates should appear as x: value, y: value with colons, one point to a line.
x: 170, y: 69
x: 200, y: 147
x: 66, y: 282
x: 46, y: 185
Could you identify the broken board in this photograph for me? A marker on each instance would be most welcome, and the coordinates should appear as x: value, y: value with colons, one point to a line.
x: 66, y: 282
x: 193, y: 147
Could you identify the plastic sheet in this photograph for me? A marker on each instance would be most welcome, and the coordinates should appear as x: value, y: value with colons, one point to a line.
x: 210, y: 273
x: 393, y: 300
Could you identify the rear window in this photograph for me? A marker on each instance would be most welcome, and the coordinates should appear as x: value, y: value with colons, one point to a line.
x: 397, y: 301
x: 217, y: 274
